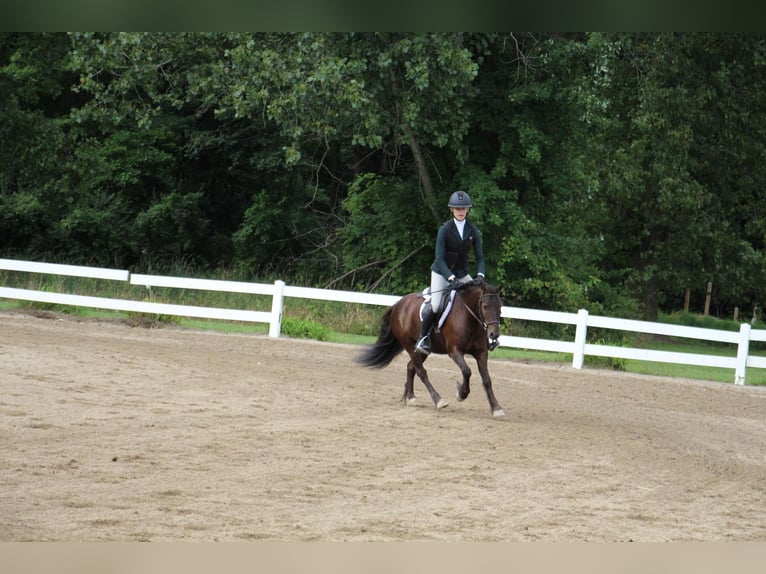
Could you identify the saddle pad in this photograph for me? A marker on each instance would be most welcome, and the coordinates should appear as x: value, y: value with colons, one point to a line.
x: 427, y: 301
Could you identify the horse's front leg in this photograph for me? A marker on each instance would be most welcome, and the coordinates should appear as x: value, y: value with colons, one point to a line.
x: 463, y: 388
x: 486, y: 380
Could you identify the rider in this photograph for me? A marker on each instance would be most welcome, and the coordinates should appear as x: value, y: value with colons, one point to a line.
x: 453, y: 241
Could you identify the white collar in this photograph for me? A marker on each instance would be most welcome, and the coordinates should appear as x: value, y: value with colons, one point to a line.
x: 460, y: 226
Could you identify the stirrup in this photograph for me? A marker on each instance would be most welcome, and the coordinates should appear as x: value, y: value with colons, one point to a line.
x: 424, y: 346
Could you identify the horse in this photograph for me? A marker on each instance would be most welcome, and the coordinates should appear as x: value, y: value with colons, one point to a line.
x: 472, y: 323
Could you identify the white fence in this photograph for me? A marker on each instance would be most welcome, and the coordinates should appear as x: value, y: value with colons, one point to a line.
x: 578, y: 348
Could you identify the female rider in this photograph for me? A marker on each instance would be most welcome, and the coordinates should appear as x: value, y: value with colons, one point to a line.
x: 453, y: 241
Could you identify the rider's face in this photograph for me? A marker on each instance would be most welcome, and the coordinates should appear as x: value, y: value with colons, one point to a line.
x: 459, y: 213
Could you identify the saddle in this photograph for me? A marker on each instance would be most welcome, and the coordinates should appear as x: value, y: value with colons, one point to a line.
x: 443, y: 311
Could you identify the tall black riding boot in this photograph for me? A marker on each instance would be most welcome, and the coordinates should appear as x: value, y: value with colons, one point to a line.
x: 424, y: 344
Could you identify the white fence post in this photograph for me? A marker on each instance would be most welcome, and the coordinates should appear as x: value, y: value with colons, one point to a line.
x: 277, y: 302
x: 578, y: 357
x: 743, y: 349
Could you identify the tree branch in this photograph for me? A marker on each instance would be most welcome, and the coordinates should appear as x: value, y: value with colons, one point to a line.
x: 394, y: 266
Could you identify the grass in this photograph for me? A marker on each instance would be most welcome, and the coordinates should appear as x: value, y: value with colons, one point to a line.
x: 358, y: 324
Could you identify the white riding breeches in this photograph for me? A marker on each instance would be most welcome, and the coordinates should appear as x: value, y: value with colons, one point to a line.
x: 439, y: 286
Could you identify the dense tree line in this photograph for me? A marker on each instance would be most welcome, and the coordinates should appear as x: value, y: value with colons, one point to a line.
x: 608, y: 171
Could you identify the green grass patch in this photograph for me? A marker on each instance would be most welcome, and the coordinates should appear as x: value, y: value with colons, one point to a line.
x: 222, y: 326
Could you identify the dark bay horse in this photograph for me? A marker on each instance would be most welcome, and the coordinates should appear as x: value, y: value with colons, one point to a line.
x: 473, y: 320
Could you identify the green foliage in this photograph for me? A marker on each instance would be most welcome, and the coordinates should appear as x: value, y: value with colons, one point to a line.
x: 610, y: 171
x: 541, y: 268
x: 670, y: 174
x: 304, y: 329
x: 172, y: 228
x: 383, y: 240
x: 535, y: 183
x: 276, y: 228
x: 261, y: 228
x: 703, y: 321
x: 95, y: 233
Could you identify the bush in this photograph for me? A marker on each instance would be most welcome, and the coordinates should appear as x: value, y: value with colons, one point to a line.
x: 304, y: 329
x: 703, y: 321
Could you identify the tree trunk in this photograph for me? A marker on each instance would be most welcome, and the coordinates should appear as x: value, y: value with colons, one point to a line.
x: 417, y: 153
x: 651, y: 299
x: 423, y: 173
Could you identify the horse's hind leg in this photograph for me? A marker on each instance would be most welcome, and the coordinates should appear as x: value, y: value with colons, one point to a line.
x: 419, y: 369
x: 409, y: 386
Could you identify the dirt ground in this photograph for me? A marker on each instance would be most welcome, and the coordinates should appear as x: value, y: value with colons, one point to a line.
x: 117, y: 433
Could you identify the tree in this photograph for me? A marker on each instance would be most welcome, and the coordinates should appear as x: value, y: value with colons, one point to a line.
x: 604, y: 168
x: 32, y: 137
x: 167, y: 92
x: 531, y: 165
x: 376, y: 91
x: 323, y: 98
x: 661, y: 174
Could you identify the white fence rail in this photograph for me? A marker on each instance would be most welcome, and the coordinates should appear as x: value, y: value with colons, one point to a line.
x: 578, y: 348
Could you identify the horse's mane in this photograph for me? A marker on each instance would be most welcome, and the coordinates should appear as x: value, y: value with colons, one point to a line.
x: 478, y: 282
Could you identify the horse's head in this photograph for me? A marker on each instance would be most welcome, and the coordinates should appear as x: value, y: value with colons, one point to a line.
x: 486, y: 304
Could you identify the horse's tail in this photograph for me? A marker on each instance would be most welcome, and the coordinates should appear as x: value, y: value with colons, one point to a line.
x: 384, y: 350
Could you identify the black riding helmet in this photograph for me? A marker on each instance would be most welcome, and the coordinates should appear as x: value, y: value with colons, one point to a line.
x: 459, y: 199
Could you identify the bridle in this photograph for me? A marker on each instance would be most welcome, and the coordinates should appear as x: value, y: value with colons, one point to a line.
x: 480, y: 316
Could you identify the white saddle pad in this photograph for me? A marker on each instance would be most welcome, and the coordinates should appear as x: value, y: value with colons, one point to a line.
x: 427, y: 301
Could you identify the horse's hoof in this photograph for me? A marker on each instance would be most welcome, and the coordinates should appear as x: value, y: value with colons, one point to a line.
x: 498, y: 413
x: 460, y: 398
x: 441, y: 404
x: 411, y: 402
